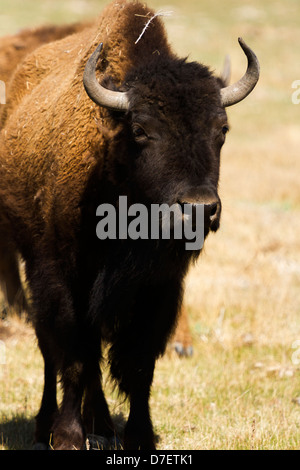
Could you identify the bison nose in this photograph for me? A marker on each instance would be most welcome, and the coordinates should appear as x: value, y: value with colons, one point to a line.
x: 212, y: 212
x: 212, y: 209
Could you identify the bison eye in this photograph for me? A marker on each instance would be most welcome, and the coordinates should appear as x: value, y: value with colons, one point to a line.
x: 138, y: 133
x: 225, y: 129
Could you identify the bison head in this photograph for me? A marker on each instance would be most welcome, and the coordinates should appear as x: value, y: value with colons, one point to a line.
x: 175, y: 113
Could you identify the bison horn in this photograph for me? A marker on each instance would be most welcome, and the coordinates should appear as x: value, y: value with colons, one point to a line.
x: 236, y: 92
x: 114, y: 100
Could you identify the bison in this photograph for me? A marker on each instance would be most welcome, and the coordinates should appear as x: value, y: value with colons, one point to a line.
x: 13, y: 50
x: 84, y: 124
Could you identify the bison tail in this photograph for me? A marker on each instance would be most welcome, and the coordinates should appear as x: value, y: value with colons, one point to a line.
x: 10, y: 280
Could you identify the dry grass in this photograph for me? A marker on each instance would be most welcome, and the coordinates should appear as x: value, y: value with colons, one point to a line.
x: 240, y: 389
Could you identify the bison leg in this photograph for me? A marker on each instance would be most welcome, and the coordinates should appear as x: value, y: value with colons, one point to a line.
x: 60, y: 340
x: 182, y: 339
x: 48, y: 409
x: 96, y: 416
x: 133, y: 368
x: 139, y: 431
x: 68, y: 431
x: 61, y: 429
x: 135, y: 351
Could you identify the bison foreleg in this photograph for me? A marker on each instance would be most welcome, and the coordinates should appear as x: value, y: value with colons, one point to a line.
x: 135, y: 350
x: 96, y: 416
x: 48, y: 410
x: 133, y: 368
x: 139, y: 431
x: 68, y: 431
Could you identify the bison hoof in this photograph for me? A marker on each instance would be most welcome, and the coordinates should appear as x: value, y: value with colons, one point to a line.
x: 40, y: 446
x: 183, y: 351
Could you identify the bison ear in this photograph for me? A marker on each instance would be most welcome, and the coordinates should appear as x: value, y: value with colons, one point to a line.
x: 224, y: 79
x: 114, y: 100
x: 109, y: 83
x: 226, y: 72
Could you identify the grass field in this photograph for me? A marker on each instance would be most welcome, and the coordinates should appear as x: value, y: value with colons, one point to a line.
x: 241, y: 389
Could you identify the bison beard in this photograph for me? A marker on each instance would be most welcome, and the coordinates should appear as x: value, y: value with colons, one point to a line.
x: 154, y: 137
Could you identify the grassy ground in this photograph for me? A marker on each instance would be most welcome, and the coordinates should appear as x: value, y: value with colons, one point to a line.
x: 241, y: 390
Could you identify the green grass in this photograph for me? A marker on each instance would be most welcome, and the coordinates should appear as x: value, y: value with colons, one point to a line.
x: 240, y: 389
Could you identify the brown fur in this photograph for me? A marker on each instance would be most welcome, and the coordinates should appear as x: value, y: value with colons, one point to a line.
x: 182, y: 340
x: 14, y: 48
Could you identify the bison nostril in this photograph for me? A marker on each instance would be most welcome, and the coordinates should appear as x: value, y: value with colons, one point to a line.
x: 213, y: 209
x: 213, y: 212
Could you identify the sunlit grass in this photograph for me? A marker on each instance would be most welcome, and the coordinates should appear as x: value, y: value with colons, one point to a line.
x: 234, y: 394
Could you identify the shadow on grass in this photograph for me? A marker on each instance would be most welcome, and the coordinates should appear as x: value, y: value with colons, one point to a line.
x: 17, y: 433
